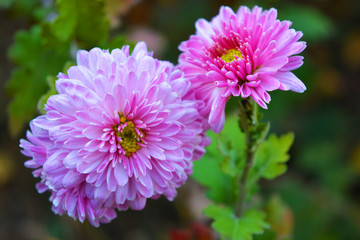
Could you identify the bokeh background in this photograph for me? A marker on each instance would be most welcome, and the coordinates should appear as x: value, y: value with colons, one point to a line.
x: 318, y: 198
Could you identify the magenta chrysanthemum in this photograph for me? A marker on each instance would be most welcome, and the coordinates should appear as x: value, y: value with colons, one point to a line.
x: 246, y: 53
x: 118, y: 132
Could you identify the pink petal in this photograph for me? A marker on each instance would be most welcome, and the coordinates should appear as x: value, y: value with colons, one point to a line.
x: 93, y: 132
x: 120, y: 175
x: 291, y: 81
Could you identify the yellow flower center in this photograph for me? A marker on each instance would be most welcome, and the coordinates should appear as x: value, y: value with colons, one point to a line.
x: 129, y: 137
x: 230, y: 55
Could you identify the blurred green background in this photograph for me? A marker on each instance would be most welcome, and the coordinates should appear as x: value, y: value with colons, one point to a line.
x: 320, y: 193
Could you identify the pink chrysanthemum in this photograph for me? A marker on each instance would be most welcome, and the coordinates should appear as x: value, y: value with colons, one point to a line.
x: 246, y: 53
x: 118, y: 132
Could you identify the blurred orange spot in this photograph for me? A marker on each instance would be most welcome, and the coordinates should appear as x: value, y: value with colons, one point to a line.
x: 351, y: 50
x: 201, y: 232
x: 197, y: 231
x: 328, y: 81
x: 176, y: 234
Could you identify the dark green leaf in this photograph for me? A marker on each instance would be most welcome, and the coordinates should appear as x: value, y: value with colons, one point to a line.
x: 268, y: 234
x: 84, y: 20
x: 22, y: 7
x: 92, y: 24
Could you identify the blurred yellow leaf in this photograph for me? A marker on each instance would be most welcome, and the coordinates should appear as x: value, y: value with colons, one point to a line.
x: 355, y: 159
x: 6, y: 167
x: 280, y: 217
x: 115, y: 8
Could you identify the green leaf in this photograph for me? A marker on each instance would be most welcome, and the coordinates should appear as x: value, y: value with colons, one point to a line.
x: 218, y: 169
x: 84, y: 20
x: 28, y: 80
x: 92, y: 24
x: 229, y: 226
x: 230, y: 138
x: 65, y: 23
x: 27, y: 46
x: 231, y: 146
x: 207, y: 172
x: 271, y: 157
x: 231, y: 131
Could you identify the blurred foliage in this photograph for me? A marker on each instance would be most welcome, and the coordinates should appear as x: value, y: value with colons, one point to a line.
x: 314, y: 24
x: 28, y: 81
x: 82, y: 20
x: 63, y: 27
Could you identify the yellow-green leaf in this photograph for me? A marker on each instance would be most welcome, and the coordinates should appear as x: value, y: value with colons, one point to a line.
x: 231, y: 227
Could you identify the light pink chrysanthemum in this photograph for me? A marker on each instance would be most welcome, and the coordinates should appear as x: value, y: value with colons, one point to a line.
x: 246, y: 53
x: 118, y: 132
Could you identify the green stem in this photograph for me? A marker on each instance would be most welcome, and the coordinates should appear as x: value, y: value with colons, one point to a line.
x: 248, y: 119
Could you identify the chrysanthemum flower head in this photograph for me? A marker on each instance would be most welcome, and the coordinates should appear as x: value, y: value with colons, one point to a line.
x: 246, y: 53
x: 119, y: 132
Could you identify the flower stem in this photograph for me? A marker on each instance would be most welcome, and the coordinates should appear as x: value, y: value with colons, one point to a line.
x: 248, y: 121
